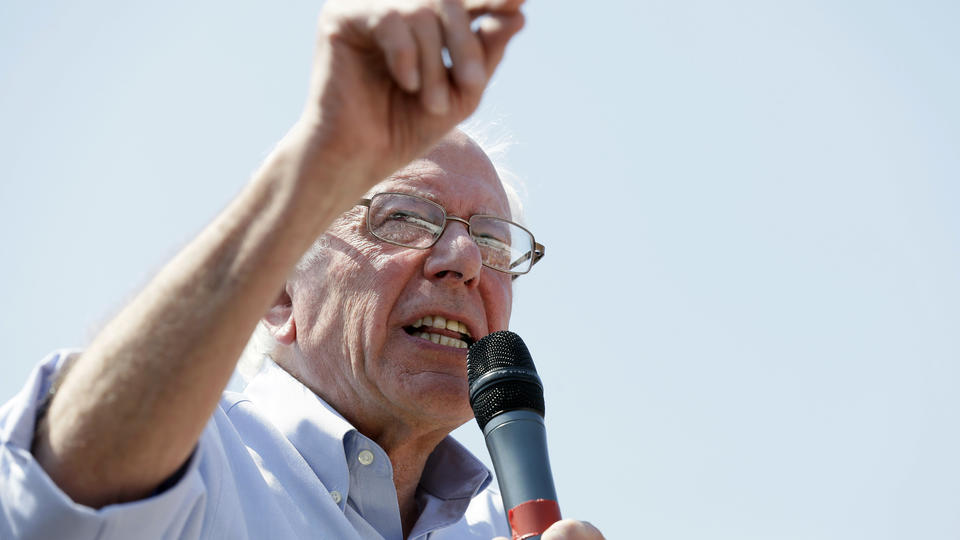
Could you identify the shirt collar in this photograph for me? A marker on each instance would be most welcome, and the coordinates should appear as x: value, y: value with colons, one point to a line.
x: 320, y: 434
x: 315, y: 429
x: 452, y: 472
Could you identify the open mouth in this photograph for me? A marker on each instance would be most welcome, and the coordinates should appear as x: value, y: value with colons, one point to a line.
x: 442, y: 331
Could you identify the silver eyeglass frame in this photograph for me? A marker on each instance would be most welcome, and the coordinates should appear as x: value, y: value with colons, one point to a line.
x: 539, y: 250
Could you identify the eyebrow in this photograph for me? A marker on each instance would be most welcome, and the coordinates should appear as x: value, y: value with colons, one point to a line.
x: 430, y: 196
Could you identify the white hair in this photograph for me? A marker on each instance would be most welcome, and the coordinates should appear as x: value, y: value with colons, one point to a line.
x: 496, y: 141
x: 493, y: 139
x: 259, y: 347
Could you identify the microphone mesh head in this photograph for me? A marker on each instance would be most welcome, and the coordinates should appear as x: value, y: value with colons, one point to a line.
x: 502, y: 377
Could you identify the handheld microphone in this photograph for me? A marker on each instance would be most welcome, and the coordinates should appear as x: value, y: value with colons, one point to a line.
x: 507, y: 398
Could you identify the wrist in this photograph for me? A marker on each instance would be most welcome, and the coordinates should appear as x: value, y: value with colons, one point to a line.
x: 317, y: 163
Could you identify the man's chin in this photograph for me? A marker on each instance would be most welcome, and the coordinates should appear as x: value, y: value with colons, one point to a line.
x: 442, y: 398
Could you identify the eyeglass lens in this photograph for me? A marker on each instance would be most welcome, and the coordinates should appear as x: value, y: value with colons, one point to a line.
x: 415, y: 222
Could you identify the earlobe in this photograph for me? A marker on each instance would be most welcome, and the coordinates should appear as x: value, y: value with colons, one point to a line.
x: 279, y: 319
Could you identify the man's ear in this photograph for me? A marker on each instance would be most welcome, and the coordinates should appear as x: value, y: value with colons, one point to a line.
x: 279, y: 319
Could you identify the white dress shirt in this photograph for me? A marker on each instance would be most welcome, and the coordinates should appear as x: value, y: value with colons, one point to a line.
x: 274, y: 462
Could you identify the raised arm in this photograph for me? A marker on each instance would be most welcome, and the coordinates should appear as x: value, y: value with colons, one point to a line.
x: 131, y: 410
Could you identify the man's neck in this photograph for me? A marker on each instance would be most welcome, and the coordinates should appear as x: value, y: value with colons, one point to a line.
x: 408, y: 444
x: 409, y: 460
x: 406, y: 486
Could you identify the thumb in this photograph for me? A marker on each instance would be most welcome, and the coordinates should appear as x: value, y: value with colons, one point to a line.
x: 571, y: 528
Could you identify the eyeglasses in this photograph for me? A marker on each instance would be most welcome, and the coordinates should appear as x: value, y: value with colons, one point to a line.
x: 414, y: 222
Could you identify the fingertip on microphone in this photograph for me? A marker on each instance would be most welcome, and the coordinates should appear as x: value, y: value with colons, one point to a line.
x: 572, y: 528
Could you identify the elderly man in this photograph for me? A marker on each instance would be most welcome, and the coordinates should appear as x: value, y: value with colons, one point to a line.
x: 346, y: 434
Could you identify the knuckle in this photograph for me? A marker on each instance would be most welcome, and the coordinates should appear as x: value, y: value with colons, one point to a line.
x: 422, y: 15
x: 450, y: 5
x: 386, y: 21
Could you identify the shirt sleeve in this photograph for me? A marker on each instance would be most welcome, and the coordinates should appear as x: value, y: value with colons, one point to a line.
x: 33, y: 507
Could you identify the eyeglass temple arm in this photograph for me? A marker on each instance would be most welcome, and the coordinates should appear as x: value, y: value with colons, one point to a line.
x: 538, y: 252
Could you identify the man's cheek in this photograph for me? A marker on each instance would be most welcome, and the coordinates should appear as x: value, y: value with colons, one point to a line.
x: 500, y: 304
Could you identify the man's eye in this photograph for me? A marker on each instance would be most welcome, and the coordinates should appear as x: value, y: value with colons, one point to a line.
x: 407, y: 217
x: 412, y: 218
x: 400, y: 215
x: 493, y: 243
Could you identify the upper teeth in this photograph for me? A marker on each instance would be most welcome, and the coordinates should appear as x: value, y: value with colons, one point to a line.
x: 438, y: 321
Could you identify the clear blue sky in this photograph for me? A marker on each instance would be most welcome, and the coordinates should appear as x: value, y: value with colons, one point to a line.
x: 747, y: 320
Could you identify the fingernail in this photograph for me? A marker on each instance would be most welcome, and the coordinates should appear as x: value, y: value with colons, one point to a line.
x: 438, y: 101
x: 473, y: 72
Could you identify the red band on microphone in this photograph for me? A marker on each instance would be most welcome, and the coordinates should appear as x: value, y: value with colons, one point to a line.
x: 532, y: 517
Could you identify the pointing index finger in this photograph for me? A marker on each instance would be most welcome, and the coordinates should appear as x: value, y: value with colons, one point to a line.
x: 463, y: 45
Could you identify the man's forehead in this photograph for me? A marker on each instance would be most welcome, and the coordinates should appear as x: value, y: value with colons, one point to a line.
x: 478, y: 187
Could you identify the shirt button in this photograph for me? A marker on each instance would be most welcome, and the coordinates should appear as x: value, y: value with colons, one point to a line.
x: 336, y: 496
x: 365, y: 457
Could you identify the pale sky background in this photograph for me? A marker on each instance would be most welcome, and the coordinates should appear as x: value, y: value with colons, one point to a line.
x: 747, y: 319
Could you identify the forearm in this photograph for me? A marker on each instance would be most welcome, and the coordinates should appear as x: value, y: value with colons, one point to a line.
x: 134, y: 405
x: 130, y: 411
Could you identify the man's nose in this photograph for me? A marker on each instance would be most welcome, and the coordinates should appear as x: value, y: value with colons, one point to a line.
x: 455, y: 257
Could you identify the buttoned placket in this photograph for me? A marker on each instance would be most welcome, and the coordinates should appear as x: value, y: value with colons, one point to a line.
x: 372, y: 493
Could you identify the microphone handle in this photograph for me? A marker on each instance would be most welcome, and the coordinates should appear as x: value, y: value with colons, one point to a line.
x: 517, y: 441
